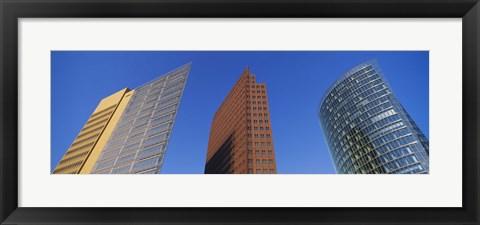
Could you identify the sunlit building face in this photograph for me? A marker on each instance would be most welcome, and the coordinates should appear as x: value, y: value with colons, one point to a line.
x: 129, y: 131
x: 241, y: 139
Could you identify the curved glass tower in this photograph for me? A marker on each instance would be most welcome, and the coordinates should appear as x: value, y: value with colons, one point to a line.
x: 367, y: 129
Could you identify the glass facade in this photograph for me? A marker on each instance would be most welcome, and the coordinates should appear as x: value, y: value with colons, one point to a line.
x: 367, y: 129
x: 139, y: 141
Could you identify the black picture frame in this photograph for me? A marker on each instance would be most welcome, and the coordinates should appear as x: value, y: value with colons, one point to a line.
x: 12, y: 10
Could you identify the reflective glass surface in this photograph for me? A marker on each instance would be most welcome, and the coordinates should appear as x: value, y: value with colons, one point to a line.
x: 367, y: 129
x: 139, y: 141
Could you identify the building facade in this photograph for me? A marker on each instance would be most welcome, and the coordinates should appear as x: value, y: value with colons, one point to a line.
x: 240, y: 140
x: 366, y: 128
x: 129, y: 131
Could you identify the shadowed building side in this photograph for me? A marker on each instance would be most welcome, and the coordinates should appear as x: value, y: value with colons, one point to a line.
x: 221, y: 161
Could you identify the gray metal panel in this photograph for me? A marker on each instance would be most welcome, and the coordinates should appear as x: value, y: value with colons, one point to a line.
x: 139, y: 141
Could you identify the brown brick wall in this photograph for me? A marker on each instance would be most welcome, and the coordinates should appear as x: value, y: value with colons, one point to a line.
x: 241, y: 138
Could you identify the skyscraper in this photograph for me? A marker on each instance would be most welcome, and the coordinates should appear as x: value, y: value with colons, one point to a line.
x: 367, y: 129
x: 129, y: 131
x: 240, y: 138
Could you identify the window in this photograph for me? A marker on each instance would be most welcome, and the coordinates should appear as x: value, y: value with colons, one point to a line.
x: 159, y: 129
x: 161, y: 119
x: 258, y: 161
x: 145, y: 164
x: 167, y: 101
x: 164, y: 110
x: 115, y: 144
x: 105, y: 164
x: 123, y: 169
x: 150, y: 151
x: 139, y: 127
x: 147, y: 110
x: 130, y: 147
x: 106, y: 155
x: 257, y: 152
x: 264, y: 152
x: 154, y: 140
x: 125, y: 158
x: 135, y: 136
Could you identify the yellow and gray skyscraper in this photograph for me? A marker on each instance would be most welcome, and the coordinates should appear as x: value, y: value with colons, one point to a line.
x: 129, y: 131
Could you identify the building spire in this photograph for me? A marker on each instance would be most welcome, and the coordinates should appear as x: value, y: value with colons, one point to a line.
x: 247, y: 70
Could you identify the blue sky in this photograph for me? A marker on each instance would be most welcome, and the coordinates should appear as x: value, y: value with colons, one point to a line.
x: 296, y: 81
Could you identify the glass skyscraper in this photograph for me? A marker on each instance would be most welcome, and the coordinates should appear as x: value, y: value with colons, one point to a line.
x: 129, y: 131
x: 139, y: 142
x: 366, y: 128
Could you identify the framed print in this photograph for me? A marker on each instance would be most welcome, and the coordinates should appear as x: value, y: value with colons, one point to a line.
x: 252, y: 112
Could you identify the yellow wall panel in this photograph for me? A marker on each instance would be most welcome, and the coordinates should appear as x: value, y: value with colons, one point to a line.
x: 102, y: 141
x: 87, y: 146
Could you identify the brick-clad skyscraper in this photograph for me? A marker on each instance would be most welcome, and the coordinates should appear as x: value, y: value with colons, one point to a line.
x: 241, y: 136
